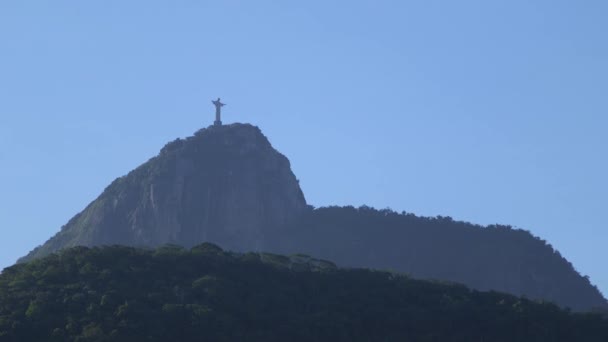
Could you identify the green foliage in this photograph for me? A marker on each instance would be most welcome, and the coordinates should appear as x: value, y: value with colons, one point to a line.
x: 174, y: 294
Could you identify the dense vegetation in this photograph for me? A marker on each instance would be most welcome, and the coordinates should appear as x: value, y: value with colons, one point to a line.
x: 206, y: 294
x: 499, y: 258
x: 227, y: 185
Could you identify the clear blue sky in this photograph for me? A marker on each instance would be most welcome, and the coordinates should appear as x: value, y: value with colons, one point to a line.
x: 486, y: 111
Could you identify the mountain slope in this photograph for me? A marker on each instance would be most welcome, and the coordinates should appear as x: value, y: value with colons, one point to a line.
x: 171, y: 294
x: 497, y: 258
x: 227, y: 185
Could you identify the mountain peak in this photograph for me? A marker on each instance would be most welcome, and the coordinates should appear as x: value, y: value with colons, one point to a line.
x: 242, y: 136
x: 226, y: 184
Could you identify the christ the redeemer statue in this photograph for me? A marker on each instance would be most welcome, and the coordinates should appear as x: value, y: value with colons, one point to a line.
x: 218, y: 111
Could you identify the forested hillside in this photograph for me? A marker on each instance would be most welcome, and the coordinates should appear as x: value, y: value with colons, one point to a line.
x: 496, y: 257
x: 206, y: 294
x: 227, y: 185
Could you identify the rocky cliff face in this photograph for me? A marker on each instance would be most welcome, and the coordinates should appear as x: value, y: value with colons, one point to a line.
x: 225, y: 185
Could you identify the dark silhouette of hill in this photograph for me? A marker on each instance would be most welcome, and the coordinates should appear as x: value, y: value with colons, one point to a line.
x: 496, y: 258
x: 173, y: 294
x: 228, y: 185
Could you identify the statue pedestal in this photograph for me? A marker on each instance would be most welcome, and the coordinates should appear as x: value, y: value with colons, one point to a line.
x: 217, y: 123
